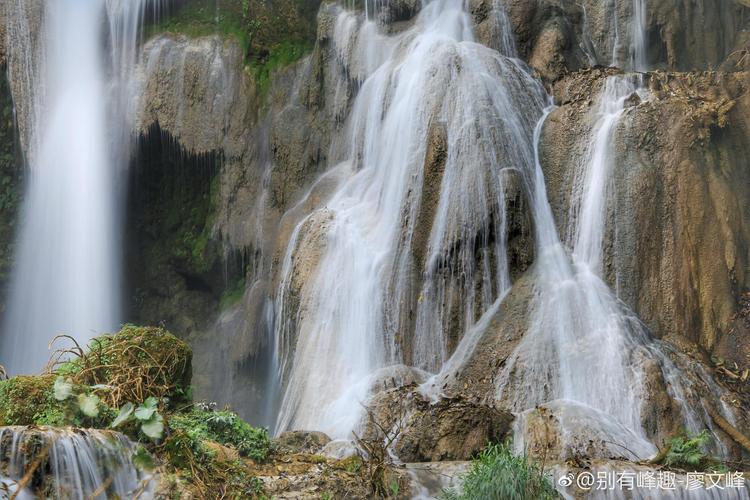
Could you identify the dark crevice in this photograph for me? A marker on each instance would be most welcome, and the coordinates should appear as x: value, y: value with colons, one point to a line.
x: 176, y: 271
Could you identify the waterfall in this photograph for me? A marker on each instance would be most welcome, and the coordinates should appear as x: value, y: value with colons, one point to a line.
x: 382, y: 285
x: 65, y: 463
x: 582, y: 345
x: 66, y: 278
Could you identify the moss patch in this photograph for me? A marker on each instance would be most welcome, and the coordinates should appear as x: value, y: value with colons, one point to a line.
x: 135, y: 364
x: 28, y: 400
x: 203, y: 453
x: 11, y: 185
x: 272, y: 33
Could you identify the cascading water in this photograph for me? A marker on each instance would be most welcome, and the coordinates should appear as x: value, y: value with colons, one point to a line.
x: 68, y: 464
x: 367, y: 283
x: 585, y: 354
x: 582, y: 344
x: 367, y: 291
x: 66, y: 278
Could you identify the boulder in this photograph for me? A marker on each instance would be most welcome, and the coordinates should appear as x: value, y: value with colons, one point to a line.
x: 564, y: 430
x: 455, y: 428
x: 301, y: 442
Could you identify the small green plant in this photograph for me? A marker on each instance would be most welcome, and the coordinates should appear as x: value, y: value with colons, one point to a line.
x: 79, y: 404
x: 688, y: 452
x: 497, y: 474
x: 224, y: 427
x: 146, y: 415
x: 88, y: 404
x: 233, y: 294
x: 394, y: 487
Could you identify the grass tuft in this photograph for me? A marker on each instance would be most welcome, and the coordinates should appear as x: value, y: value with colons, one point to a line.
x: 497, y: 474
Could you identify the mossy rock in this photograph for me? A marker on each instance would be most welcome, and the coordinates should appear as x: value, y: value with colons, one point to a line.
x: 136, y: 363
x: 27, y: 400
x: 130, y: 366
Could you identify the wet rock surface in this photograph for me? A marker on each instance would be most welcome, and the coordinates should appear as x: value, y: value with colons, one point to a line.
x: 301, y: 442
x: 681, y: 157
x: 451, y: 428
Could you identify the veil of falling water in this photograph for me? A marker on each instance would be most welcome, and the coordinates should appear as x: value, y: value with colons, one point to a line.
x: 66, y: 278
x: 364, y: 294
x: 336, y: 331
x: 585, y: 350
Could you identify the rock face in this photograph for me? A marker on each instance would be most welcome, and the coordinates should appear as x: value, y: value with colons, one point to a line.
x: 681, y: 175
x: 455, y: 428
x: 260, y: 154
x: 556, y: 36
x: 11, y: 187
x: 20, y: 31
x: 301, y: 442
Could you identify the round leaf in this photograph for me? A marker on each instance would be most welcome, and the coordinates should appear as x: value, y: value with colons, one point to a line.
x: 125, y: 413
x: 89, y: 405
x: 154, y: 428
x: 62, y: 389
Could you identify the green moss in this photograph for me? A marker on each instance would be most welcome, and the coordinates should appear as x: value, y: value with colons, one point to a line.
x: 351, y: 464
x: 27, y: 400
x: 196, y: 19
x: 224, y: 427
x: 161, y: 362
x: 279, y: 56
x: 191, y: 223
x: 232, y: 295
x: 271, y: 33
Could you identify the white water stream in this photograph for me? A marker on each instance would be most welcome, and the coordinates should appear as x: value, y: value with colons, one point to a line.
x: 364, y: 292
x: 67, y: 274
x: 69, y: 464
x: 584, y: 351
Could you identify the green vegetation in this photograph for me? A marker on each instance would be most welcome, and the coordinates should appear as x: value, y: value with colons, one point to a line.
x: 497, y: 474
x: 196, y: 19
x: 132, y: 366
x: 279, y: 56
x: 188, y: 224
x: 232, y: 295
x: 224, y: 427
x: 26, y: 400
x: 199, y: 449
x: 271, y: 33
x: 10, y: 184
x: 687, y: 451
x: 137, y: 382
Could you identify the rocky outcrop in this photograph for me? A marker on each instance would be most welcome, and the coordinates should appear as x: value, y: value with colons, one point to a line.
x: 455, y: 428
x: 301, y: 442
x: 20, y: 32
x: 564, y: 430
x: 260, y: 152
x: 558, y: 36
x: 681, y: 175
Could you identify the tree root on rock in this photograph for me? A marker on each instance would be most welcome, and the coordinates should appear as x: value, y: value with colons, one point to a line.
x: 725, y: 426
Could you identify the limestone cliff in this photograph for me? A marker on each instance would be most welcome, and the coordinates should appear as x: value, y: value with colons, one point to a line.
x: 678, y: 248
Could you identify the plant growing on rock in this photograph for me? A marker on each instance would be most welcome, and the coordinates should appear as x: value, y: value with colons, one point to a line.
x: 375, y: 456
x: 224, y: 427
x: 688, y: 452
